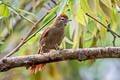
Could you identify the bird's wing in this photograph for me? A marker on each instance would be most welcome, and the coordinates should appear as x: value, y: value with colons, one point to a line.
x: 44, y: 34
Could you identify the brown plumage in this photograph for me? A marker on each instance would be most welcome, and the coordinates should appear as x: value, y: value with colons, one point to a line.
x: 51, y: 38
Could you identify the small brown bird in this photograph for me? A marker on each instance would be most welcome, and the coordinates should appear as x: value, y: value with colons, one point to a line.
x: 51, y: 38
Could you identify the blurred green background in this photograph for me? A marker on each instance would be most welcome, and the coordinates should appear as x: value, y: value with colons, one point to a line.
x: 82, y: 32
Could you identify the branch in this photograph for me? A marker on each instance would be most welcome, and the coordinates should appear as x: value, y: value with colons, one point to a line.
x: 28, y: 7
x: 16, y: 12
x: 28, y: 36
x: 24, y: 38
x: 32, y: 35
x: 62, y: 55
x: 107, y: 27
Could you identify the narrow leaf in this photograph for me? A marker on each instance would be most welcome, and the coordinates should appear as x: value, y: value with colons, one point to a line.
x: 25, y: 12
x: 7, y: 25
x: 4, y: 11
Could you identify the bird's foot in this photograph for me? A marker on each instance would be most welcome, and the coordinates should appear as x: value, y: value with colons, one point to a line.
x: 58, y: 49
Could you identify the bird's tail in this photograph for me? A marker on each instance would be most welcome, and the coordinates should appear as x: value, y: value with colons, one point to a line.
x: 39, y: 67
x: 36, y: 68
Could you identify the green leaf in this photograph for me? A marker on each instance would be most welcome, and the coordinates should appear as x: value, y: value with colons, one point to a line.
x: 0, y: 22
x: 86, y: 8
x: 1, y: 38
x: 63, y: 45
x: 7, y: 25
x: 74, y: 6
x: 80, y: 16
x: 72, y: 27
x: 94, y: 39
x: 7, y: 2
x: 115, y: 19
x: 102, y: 30
x: 68, y: 40
x: 107, y: 10
x: 58, y: 10
x: 51, y: 13
x: 25, y: 12
x: 62, y: 6
x: 92, y: 5
x: 67, y: 33
x: 107, y: 3
x: 4, y: 11
x: 76, y: 36
x: 32, y: 40
x: 1, y: 42
x: 70, y: 4
x: 1, y: 2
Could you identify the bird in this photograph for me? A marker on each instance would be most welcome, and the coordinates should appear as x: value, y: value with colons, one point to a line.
x: 51, y: 38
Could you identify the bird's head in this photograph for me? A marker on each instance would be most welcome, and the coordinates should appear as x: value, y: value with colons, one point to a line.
x: 62, y: 20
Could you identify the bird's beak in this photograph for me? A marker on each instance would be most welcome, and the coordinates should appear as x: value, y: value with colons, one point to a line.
x: 69, y: 20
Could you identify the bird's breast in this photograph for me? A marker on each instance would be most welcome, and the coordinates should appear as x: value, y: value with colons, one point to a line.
x: 55, y: 36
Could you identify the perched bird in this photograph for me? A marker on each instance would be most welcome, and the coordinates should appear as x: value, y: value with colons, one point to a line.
x: 51, y: 38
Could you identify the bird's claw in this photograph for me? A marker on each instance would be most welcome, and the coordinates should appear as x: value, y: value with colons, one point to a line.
x: 58, y: 49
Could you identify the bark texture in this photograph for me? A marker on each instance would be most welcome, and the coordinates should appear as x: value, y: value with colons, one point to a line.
x: 62, y: 55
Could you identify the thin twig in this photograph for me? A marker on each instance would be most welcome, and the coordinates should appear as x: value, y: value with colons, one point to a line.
x: 32, y: 35
x: 112, y: 32
x: 114, y: 38
x: 104, y: 25
x: 54, y: 2
x: 28, y: 7
x: 16, y: 12
x: 25, y: 37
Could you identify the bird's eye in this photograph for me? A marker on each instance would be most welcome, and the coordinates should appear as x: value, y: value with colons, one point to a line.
x: 62, y: 19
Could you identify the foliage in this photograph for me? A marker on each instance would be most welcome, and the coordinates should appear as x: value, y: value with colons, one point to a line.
x: 82, y: 32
